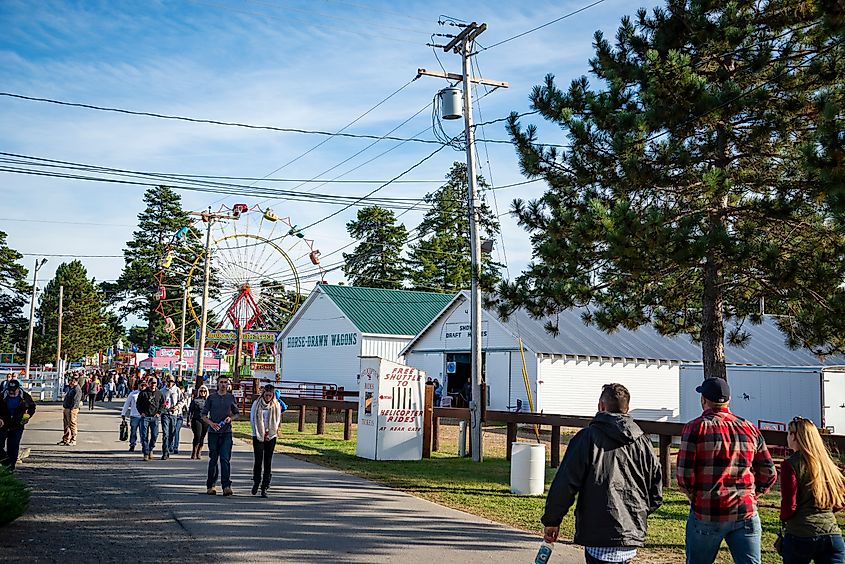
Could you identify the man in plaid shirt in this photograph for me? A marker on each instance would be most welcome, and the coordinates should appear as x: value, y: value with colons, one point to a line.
x: 723, y: 465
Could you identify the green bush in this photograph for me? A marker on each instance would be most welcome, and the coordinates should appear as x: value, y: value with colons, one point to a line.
x: 14, y: 497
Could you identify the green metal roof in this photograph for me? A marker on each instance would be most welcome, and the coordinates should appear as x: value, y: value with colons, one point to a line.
x: 389, y: 312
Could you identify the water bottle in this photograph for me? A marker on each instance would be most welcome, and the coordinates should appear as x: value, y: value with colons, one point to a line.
x: 222, y: 423
x: 544, y: 553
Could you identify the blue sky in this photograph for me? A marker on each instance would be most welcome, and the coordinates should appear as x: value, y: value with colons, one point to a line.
x: 314, y: 65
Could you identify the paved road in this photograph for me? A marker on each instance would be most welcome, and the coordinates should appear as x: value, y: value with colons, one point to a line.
x: 98, y: 502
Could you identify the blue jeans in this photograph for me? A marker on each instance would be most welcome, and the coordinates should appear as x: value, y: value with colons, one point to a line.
x: 827, y: 549
x: 149, y: 433
x: 705, y: 537
x: 219, y: 447
x: 10, y: 446
x: 134, y: 423
x: 168, y: 425
x: 174, y: 442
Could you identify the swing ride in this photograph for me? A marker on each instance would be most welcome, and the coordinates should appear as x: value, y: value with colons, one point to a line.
x: 258, y: 262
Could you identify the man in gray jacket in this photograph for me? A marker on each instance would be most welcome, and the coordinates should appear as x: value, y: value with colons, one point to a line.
x: 611, y: 467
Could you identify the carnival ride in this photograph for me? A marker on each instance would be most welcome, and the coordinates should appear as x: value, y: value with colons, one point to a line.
x: 258, y: 263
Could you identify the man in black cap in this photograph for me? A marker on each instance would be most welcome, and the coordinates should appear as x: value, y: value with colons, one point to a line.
x: 16, y: 408
x: 723, y: 465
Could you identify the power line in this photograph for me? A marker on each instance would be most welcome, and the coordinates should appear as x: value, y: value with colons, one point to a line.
x: 69, y: 255
x: 252, y: 126
x: 58, y: 221
x: 554, y: 21
x: 212, y: 121
x: 157, y: 179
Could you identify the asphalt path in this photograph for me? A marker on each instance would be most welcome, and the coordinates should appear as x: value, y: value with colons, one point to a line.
x: 98, y: 502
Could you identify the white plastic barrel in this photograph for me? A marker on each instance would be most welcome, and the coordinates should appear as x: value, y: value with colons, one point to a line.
x: 528, y: 468
x: 451, y: 103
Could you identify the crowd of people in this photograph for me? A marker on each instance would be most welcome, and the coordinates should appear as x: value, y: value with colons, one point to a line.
x: 168, y: 402
x: 612, y: 476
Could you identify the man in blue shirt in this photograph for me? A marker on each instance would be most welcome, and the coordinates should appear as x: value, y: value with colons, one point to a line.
x: 16, y: 408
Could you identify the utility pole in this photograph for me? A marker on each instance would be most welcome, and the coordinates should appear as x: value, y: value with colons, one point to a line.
x: 182, y: 332
x: 38, y: 265
x: 59, y: 339
x: 462, y: 44
x: 209, y: 218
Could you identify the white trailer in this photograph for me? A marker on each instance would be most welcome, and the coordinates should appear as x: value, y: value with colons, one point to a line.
x: 775, y: 394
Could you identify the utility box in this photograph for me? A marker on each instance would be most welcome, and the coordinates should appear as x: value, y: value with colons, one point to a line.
x: 390, y: 410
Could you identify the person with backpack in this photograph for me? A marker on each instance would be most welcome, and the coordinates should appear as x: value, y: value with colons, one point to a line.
x: 16, y: 409
x: 812, y: 489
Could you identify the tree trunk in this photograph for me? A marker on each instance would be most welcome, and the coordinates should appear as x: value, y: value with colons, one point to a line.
x: 713, y: 324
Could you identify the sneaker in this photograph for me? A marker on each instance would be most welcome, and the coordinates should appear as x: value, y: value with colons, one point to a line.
x: 62, y: 442
x: 147, y: 457
x: 72, y: 443
x: 211, y: 491
x: 254, y: 489
x: 264, y: 493
x: 228, y: 491
x: 165, y: 456
x: 131, y: 449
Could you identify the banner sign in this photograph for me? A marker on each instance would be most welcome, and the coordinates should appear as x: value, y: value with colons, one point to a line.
x: 231, y: 336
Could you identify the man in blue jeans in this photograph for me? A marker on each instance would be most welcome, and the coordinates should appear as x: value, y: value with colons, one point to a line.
x: 149, y: 405
x: 723, y: 466
x: 170, y: 394
x: 218, y: 412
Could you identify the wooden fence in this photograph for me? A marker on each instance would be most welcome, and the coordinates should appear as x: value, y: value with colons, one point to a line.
x: 665, y: 431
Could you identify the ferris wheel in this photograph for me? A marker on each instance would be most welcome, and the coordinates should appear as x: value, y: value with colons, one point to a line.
x: 258, y: 262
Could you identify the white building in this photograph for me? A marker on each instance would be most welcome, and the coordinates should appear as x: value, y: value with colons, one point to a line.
x: 337, y: 325
x: 565, y: 373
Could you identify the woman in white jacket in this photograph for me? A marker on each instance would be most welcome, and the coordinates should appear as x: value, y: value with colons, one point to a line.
x: 264, y: 418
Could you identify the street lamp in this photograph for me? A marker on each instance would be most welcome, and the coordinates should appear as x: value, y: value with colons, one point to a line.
x: 38, y: 265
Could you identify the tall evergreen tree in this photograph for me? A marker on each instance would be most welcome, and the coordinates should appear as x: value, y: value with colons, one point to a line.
x: 14, y: 296
x: 86, y: 328
x: 680, y: 200
x: 440, y: 261
x: 144, y: 256
x: 376, y: 261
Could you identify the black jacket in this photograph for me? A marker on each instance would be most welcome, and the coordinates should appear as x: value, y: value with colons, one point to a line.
x: 13, y: 420
x: 611, y: 467
x: 150, y: 403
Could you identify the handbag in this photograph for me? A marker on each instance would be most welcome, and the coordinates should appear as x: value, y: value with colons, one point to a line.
x: 124, y: 431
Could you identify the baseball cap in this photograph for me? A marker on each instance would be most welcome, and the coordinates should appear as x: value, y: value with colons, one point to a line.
x: 715, y: 389
x: 13, y: 385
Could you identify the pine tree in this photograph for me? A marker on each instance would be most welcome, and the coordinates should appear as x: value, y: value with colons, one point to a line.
x: 680, y: 200
x: 144, y: 256
x: 14, y: 296
x: 86, y: 328
x: 376, y: 261
x: 440, y: 261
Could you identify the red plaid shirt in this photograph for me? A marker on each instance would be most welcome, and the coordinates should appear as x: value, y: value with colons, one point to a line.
x: 723, y: 465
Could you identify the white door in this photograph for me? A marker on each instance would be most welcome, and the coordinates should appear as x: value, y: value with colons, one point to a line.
x: 834, y: 401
